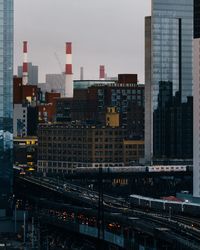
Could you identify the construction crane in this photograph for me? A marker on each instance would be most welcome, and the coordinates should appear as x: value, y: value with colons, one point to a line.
x: 59, y: 62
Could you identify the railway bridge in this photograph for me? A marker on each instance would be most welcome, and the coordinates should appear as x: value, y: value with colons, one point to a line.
x: 117, y: 224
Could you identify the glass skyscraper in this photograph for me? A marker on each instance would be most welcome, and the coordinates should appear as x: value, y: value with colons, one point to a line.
x: 6, y: 99
x: 168, y: 73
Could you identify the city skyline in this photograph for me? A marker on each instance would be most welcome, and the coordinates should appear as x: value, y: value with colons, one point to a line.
x: 99, y: 43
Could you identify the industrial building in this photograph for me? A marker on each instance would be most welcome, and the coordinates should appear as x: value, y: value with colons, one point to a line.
x: 90, y: 104
x: 63, y: 147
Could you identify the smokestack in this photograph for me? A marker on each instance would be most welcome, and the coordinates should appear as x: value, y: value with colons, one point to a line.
x: 101, y: 72
x: 81, y: 73
x: 25, y: 64
x: 68, y: 71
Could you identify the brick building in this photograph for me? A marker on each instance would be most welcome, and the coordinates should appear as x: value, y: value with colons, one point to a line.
x: 91, y: 104
x: 63, y: 147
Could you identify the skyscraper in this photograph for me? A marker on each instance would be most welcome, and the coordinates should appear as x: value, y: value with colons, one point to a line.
x: 168, y: 79
x: 6, y: 97
x: 196, y: 93
x: 196, y: 19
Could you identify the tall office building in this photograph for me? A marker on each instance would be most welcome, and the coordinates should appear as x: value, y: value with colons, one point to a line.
x: 196, y: 94
x: 168, y: 79
x: 196, y: 18
x: 6, y: 97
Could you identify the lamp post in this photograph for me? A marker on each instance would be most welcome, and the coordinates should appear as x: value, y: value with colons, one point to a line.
x: 170, y: 212
x: 100, y: 212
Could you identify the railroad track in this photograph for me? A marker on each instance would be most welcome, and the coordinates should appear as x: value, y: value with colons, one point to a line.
x: 193, y: 222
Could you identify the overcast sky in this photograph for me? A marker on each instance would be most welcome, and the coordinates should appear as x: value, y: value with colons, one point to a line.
x: 109, y: 32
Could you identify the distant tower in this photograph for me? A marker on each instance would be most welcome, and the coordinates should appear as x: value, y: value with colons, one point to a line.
x: 25, y: 63
x: 81, y: 73
x: 101, y: 72
x: 68, y: 71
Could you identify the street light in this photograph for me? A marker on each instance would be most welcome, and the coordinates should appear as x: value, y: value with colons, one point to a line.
x: 100, y: 211
x: 170, y: 212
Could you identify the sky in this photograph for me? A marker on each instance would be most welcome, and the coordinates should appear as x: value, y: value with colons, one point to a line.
x: 109, y: 32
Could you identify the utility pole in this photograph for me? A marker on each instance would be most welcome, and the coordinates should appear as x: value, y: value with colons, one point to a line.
x: 24, y: 229
x: 33, y: 233
x: 47, y: 242
x: 170, y: 213
x: 100, y: 222
x: 15, y: 218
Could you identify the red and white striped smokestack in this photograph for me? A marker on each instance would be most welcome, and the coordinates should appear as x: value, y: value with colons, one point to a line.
x: 25, y: 64
x: 68, y: 71
x: 102, y: 72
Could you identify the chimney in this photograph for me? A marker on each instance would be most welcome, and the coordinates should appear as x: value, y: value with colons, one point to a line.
x: 101, y: 72
x: 25, y: 64
x: 68, y: 71
x: 81, y: 73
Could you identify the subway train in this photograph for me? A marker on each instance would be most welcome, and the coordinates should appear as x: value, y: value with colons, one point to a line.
x: 134, y: 169
x: 174, y: 207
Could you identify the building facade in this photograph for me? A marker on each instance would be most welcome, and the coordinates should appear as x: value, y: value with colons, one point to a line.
x: 25, y: 120
x: 168, y: 80
x: 6, y: 99
x: 25, y: 152
x: 63, y: 147
x: 91, y: 104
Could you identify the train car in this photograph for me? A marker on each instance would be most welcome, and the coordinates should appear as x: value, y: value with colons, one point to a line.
x: 139, y: 201
x: 173, y: 207
x: 127, y: 169
x: 157, y: 205
x: 167, y: 168
x: 86, y: 170
x: 145, y: 203
x: 191, y: 209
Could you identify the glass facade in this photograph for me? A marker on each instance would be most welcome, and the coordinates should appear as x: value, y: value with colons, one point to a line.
x: 84, y: 84
x: 171, y: 73
x: 6, y: 99
x: 196, y: 18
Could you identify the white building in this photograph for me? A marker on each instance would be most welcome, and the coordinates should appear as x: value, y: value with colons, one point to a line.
x: 196, y: 119
x: 20, y: 120
x: 55, y: 83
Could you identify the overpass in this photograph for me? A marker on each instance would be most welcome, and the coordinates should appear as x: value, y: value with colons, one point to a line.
x: 173, y: 229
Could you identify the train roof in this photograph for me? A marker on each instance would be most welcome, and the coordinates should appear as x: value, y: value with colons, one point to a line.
x: 196, y: 205
x: 162, y: 201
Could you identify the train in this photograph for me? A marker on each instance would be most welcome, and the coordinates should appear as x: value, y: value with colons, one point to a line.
x: 165, y: 206
x: 135, y: 169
